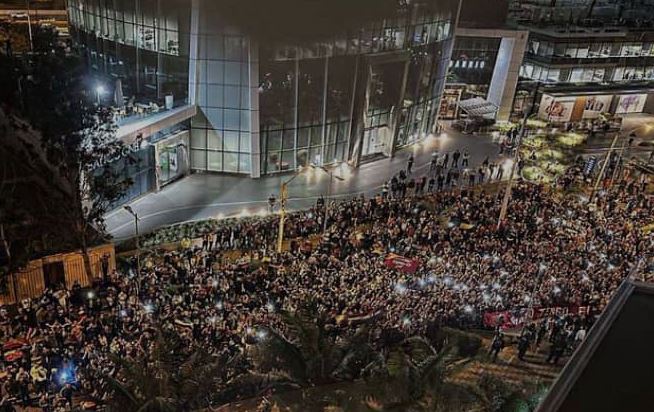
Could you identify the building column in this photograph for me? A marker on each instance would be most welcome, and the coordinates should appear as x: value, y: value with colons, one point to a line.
x: 296, y: 99
x: 193, y: 52
x: 506, y: 72
x: 255, y: 133
x: 348, y: 148
x: 137, y: 13
x: 324, y: 111
x: 361, y: 111
x: 397, y: 114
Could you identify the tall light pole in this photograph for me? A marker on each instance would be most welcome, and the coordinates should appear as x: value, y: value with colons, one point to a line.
x: 138, y: 242
x: 601, y: 173
x: 516, y: 160
x: 332, y: 176
x: 283, y: 196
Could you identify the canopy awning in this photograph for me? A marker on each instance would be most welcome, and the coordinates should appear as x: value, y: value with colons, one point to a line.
x: 478, y: 107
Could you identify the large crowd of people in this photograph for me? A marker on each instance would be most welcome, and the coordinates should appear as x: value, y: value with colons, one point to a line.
x: 551, y: 251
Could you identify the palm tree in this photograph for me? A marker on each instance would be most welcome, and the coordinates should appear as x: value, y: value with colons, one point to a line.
x: 309, y: 352
x: 170, y: 379
x: 494, y: 395
x: 410, y: 376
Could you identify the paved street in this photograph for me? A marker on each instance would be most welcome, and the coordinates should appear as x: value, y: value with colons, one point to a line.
x: 202, y: 196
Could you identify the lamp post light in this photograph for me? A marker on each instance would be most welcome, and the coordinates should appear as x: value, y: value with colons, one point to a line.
x: 99, y: 91
x: 138, y: 243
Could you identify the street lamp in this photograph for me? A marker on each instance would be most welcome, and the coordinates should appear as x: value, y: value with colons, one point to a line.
x: 138, y: 243
x: 332, y: 176
x: 99, y: 91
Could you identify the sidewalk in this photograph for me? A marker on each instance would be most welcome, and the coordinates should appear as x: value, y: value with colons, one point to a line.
x: 203, y: 196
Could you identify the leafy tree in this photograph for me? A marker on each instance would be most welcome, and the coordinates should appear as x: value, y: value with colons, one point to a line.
x: 63, y: 149
x: 411, y: 373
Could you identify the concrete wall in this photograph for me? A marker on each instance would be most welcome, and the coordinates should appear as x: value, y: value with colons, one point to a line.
x: 507, y: 66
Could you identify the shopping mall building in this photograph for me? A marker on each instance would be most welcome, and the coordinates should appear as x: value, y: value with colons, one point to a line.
x: 587, y: 58
x: 202, y: 87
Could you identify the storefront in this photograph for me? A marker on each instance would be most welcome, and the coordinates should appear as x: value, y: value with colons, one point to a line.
x: 172, y: 158
x: 450, y: 101
x: 561, y: 108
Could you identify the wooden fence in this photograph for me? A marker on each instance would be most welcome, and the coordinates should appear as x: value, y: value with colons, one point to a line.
x: 30, y: 282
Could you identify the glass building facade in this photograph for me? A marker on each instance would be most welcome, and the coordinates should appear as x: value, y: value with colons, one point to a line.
x: 473, y: 61
x: 144, y: 44
x: 272, y: 106
x: 585, y: 60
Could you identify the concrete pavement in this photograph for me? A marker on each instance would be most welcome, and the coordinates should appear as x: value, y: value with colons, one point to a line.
x: 203, y: 196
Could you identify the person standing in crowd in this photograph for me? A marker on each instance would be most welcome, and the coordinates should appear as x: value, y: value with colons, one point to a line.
x: 521, y: 165
x: 441, y: 181
x: 471, y: 178
x: 66, y: 394
x: 409, y: 164
x: 524, y: 341
x: 496, y: 346
x: 557, y: 349
x: 216, y: 302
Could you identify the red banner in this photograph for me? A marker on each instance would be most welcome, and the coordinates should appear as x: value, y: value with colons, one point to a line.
x: 401, y: 263
x: 516, y: 318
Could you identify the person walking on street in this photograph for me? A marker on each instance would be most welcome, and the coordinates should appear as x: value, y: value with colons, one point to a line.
x: 466, y: 158
x: 271, y: 202
x: 500, y: 172
x: 455, y: 158
x: 433, y: 161
x: 421, y: 185
x: 441, y: 180
x: 409, y: 165
x: 385, y: 191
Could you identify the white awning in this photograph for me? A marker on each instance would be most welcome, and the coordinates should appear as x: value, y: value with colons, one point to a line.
x: 478, y: 107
